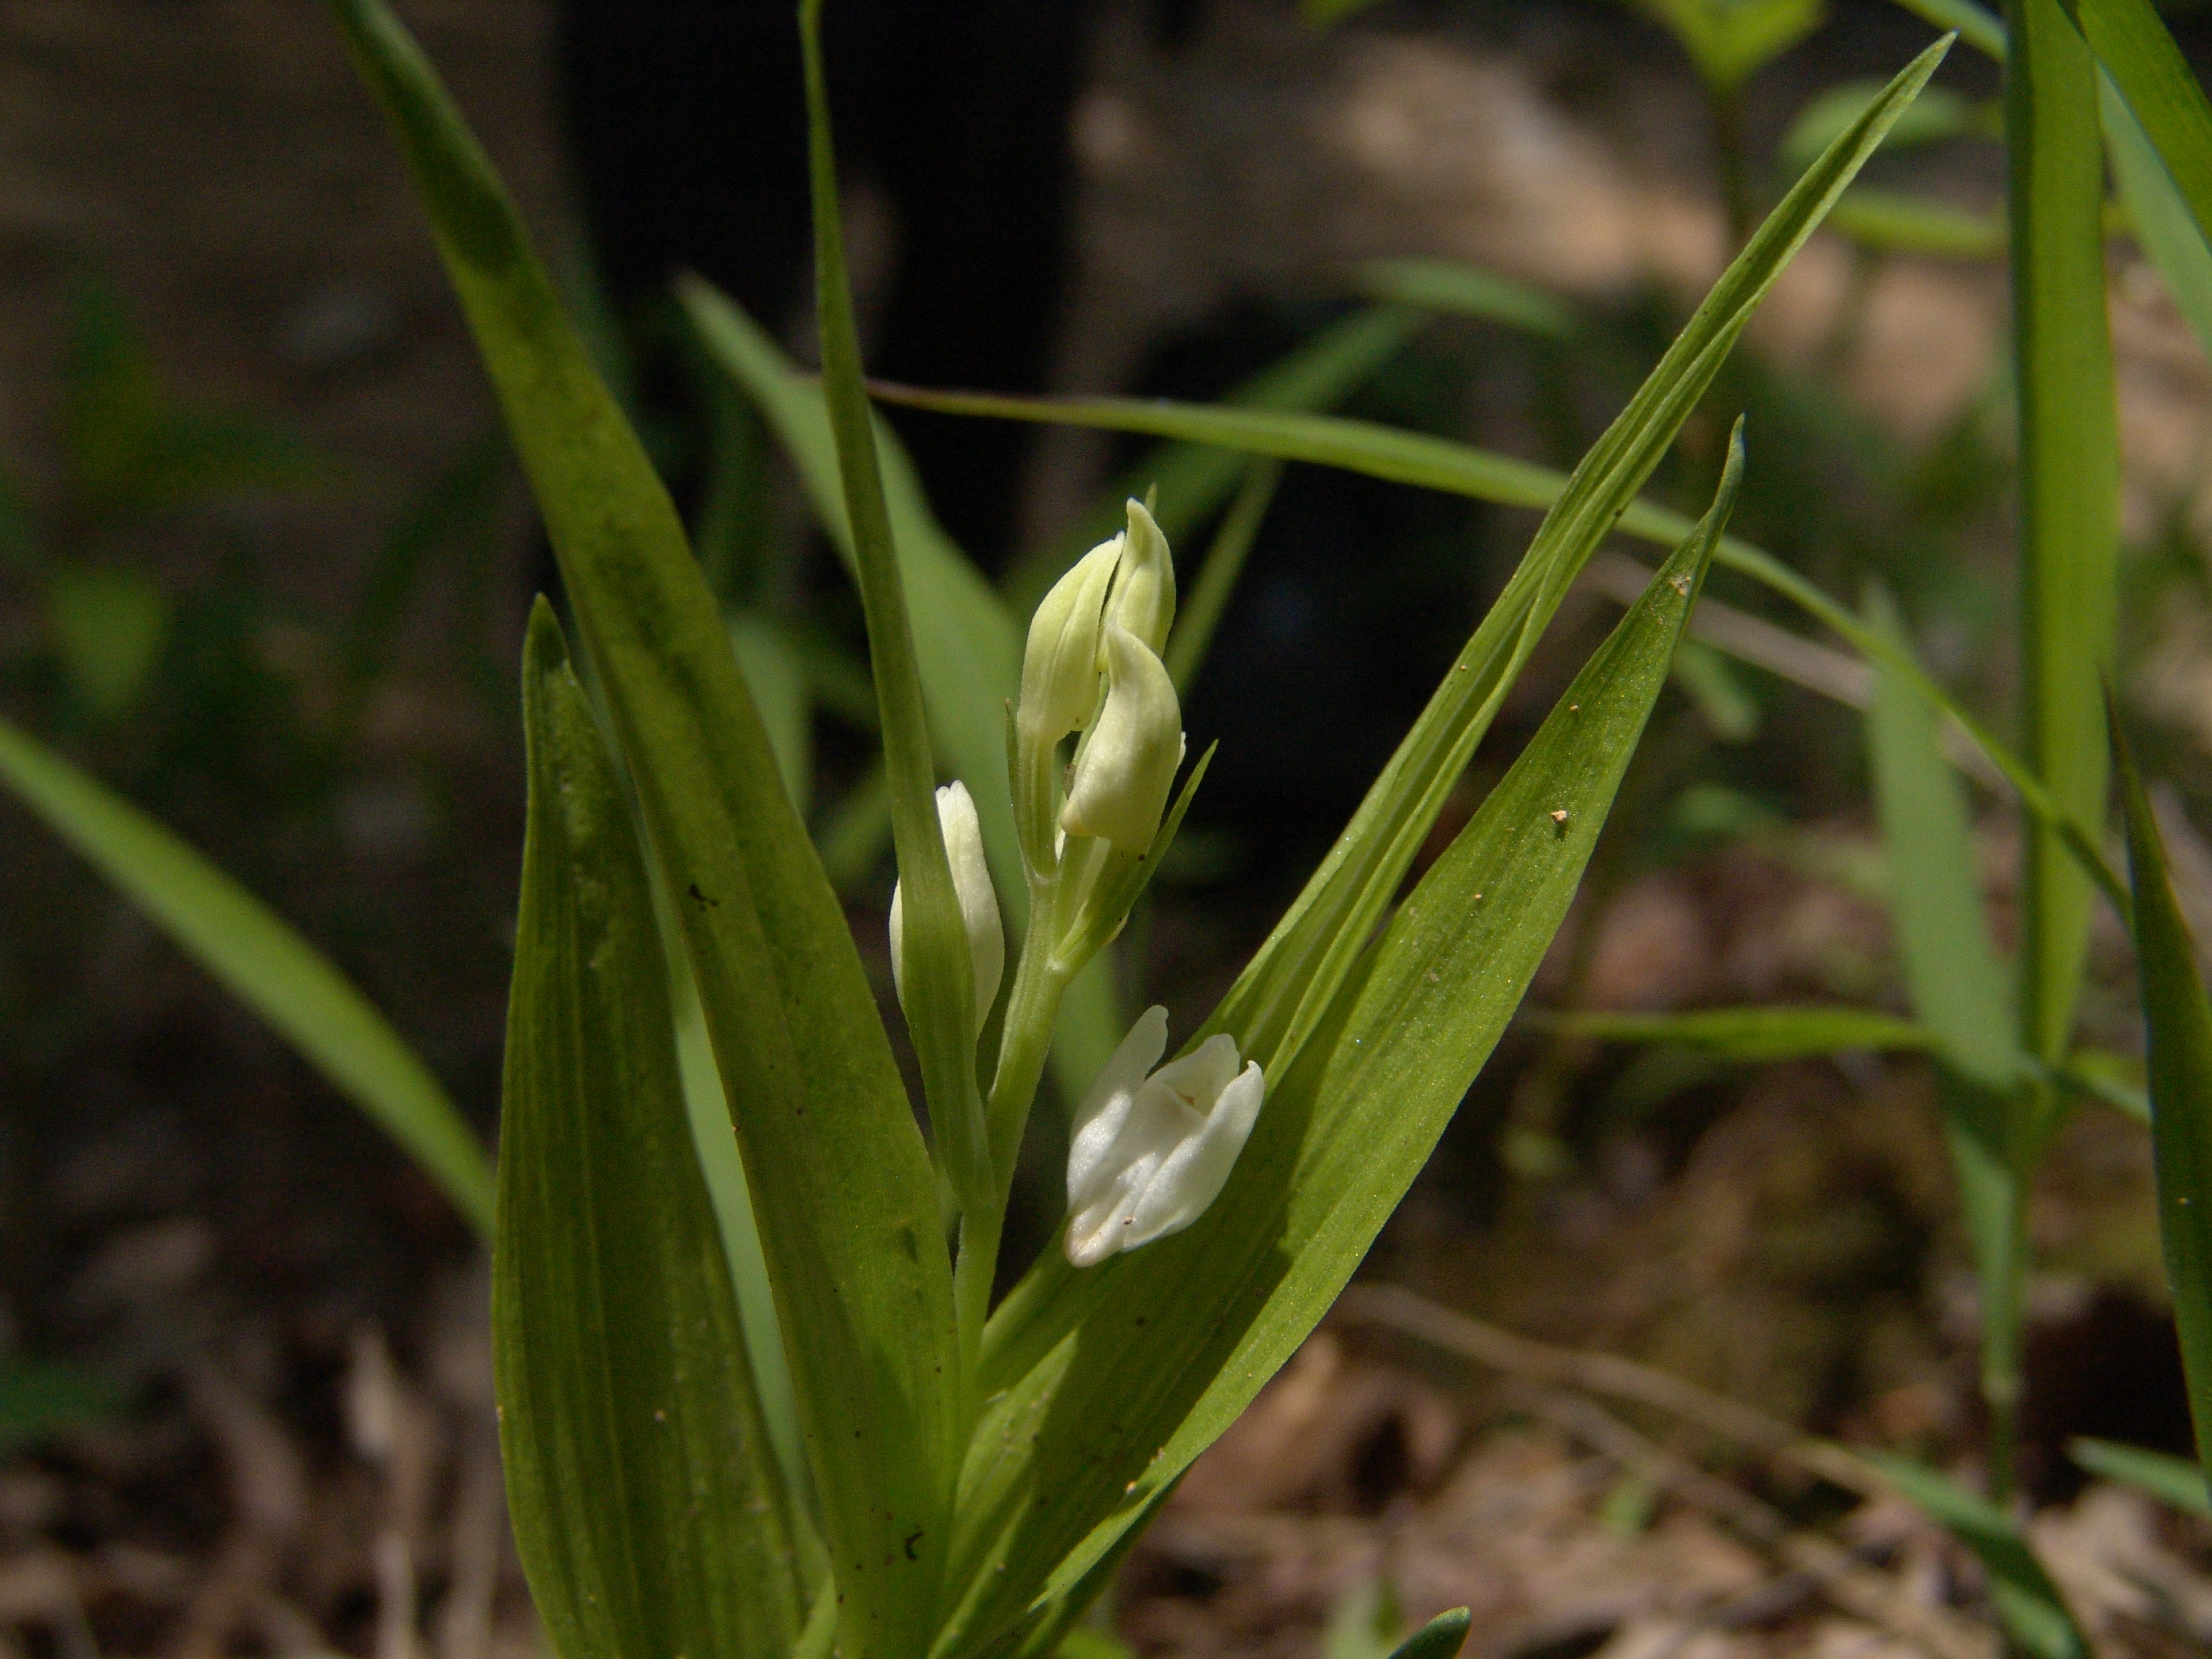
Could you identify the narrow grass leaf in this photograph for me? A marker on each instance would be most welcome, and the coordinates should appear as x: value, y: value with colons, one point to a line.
x: 1750, y: 1035
x: 1115, y: 1377
x: 938, y: 988
x: 1958, y: 986
x: 2180, y: 1035
x: 261, y: 959
x: 2174, y: 1480
x: 2069, y: 474
x: 1442, y: 1637
x: 1201, y: 609
x: 849, y: 1223
x: 2034, y: 1614
x: 2162, y: 222
x: 647, y: 1507
x: 2131, y: 42
x: 1465, y: 290
x: 1430, y: 463
x: 1193, y: 480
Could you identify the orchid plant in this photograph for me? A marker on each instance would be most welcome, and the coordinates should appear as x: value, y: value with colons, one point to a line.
x: 957, y: 1479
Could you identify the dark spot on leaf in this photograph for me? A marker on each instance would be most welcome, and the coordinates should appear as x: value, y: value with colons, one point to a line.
x: 702, y: 900
x: 910, y: 1541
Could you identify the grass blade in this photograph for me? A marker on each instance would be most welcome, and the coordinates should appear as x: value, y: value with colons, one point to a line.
x: 2035, y: 1615
x: 1958, y: 986
x: 1750, y: 1035
x: 2180, y: 1035
x: 2174, y: 1480
x: 940, y: 984
x: 2132, y: 43
x: 1430, y: 463
x: 1298, y: 970
x: 647, y: 1508
x: 1198, y: 1321
x: 1442, y: 1637
x: 849, y: 1224
x: 1464, y: 290
x: 258, y: 957
x: 2161, y: 220
x: 1192, y: 481
x: 1208, y: 598
x: 2069, y: 476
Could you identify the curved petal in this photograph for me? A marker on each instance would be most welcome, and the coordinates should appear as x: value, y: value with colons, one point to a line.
x: 1099, y: 1119
x: 1193, y: 1176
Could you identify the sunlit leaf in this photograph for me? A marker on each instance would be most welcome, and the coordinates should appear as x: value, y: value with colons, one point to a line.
x: 849, y: 1223
x: 1196, y: 1323
x: 647, y: 1508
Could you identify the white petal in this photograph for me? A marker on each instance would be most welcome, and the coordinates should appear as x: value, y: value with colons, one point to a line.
x: 1192, y: 1177
x: 1157, y: 1124
x: 1201, y: 1076
x: 1099, y: 1121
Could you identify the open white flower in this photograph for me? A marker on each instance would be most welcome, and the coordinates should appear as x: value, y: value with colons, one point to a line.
x: 1152, y: 1149
x: 979, y: 902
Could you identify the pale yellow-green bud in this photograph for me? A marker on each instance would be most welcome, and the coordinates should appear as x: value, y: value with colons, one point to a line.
x: 1061, y: 666
x: 1128, y: 764
x: 1144, y: 599
x: 978, y: 903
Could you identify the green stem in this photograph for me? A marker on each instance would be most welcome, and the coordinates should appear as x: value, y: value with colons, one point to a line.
x: 1032, y: 1011
x: 973, y: 1273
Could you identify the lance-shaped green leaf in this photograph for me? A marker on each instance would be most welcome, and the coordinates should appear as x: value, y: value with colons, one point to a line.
x: 2132, y: 43
x: 1750, y: 1035
x: 2174, y: 1480
x: 849, y: 1218
x: 938, y: 988
x: 1958, y: 986
x: 2180, y: 1031
x: 1187, y: 482
x: 647, y: 1508
x: 2156, y: 212
x: 2035, y: 1615
x: 1114, y: 1378
x: 1430, y: 463
x: 2069, y: 476
x: 1442, y: 1637
x: 1465, y: 290
x: 261, y: 959
x: 966, y: 640
x: 1298, y: 972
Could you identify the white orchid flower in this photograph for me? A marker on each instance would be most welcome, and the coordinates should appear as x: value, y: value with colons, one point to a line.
x: 1152, y: 1149
x: 979, y: 902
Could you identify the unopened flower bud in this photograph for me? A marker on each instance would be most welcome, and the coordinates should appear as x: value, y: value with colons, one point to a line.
x: 1152, y: 1149
x: 978, y: 903
x: 1060, y: 665
x: 1143, y: 598
x: 1128, y: 764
